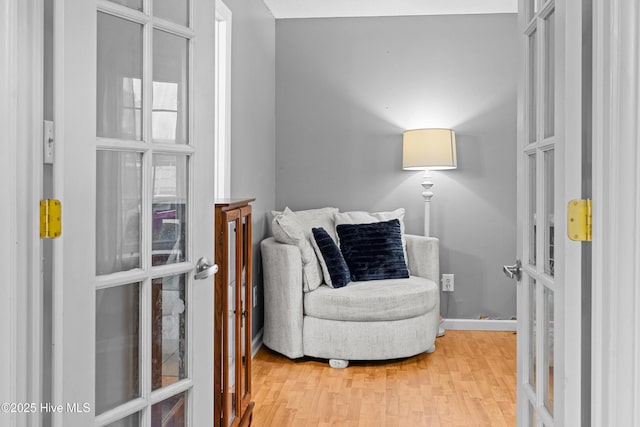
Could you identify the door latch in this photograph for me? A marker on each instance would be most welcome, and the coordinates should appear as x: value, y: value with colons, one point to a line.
x: 513, y: 271
x: 47, y: 142
x: 205, y: 269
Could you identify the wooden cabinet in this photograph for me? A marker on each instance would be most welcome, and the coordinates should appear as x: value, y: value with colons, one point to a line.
x: 232, y: 340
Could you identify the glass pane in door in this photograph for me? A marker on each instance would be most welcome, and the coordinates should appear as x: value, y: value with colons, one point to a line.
x: 245, y: 307
x: 532, y: 208
x: 118, y: 211
x: 531, y: 339
x: 532, y: 416
x: 170, y: 412
x: 231, y: 322
x: 530, y: 8
x: 532, y: 83
x: 168, y: 330
x: 119, y: 78
x: 133, y: 4
x: 549, y: 209
x: 549, y: 75
x: 117, y: 346
x: 170, y: 176
x: 172, y: 10
x: 549, y: 335
x: 169, y: 115
x: 132, y: 420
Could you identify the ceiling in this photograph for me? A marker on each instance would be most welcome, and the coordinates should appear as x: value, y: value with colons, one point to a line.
x: 283, y: 9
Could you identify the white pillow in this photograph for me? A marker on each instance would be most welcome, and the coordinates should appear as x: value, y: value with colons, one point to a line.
x: 311, y: 218
x: 294, y: 228
x: 287, y: 228
x: 360, y: 217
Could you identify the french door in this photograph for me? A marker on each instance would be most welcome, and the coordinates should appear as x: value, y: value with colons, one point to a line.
x: 133, y: 100
x: 549, y: 175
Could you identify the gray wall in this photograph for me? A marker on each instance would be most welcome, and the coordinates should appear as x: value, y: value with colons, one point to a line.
x: 347, y: 88
x: 253, y: 121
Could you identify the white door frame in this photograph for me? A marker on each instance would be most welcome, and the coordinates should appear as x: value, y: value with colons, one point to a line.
x: 572, y: 104
x: 67, y: 291
x: 8, y: 191
x: 21, y: 101
x: 616, y: 186
x: 616, y: 216
x: 224, y: 32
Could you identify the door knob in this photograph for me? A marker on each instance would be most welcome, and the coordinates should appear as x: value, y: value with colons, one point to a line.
x: 513, y: 271
x: 205, y: 269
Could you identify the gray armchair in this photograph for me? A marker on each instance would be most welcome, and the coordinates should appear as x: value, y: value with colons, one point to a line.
x: 372, y: 320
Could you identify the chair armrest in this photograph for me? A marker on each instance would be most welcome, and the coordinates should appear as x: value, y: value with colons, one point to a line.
x: 283, y: 297
x: 423, y: 260
x: 423, y: 256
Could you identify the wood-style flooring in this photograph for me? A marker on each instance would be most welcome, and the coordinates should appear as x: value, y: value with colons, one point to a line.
x: 470, y: 380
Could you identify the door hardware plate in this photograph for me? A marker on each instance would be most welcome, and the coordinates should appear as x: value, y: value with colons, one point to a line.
x: 50, y: 219
x: 579, y: 220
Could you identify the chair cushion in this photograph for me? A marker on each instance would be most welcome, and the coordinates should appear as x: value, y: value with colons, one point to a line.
x: 374, y: 300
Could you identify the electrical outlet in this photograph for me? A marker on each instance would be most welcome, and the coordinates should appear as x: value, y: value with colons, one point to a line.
x: 447, y: 282
x: 254, y: 297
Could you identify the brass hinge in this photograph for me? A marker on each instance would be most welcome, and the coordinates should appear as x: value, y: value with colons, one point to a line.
x: 50, y: 219
x: 579, y: 220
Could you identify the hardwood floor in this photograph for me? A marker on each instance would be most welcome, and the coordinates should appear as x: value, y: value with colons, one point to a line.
x: 469, y: 381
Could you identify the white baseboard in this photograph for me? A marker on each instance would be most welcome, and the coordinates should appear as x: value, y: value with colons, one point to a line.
x: 256, y: 343
x: 480, y: 325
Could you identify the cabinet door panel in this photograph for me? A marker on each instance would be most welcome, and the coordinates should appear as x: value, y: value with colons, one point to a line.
x: 233, y: 314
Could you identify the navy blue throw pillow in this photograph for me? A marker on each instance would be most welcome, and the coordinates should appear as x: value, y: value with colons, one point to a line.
x: 339, y: 275
x: 373, y: 251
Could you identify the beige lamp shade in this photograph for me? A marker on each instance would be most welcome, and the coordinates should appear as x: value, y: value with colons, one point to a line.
x: 433, y: 149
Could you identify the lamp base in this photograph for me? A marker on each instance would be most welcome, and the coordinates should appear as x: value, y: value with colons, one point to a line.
x: 427, y: 194
x: 440, y: 327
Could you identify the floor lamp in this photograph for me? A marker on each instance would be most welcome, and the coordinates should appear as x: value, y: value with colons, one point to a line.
x: 429, y: 149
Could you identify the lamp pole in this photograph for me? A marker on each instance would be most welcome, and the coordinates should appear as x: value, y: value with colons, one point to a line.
x: 427, y: 194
